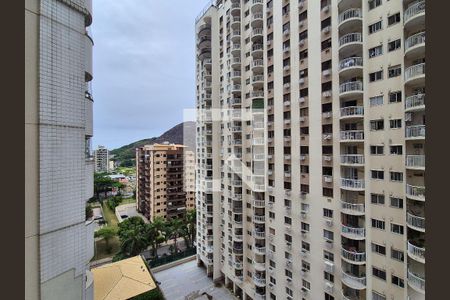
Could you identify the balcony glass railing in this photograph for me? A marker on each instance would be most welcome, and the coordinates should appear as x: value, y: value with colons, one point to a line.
x: 354, y: 281
x: 354, y: 231
x: 350, y: 62
x: 417, y: 192
x: 416, y: 250
x: 352, y: 159
x: 355, y: 37
x: 415, y: 71
x: 415, y: 221
x: 416, y: 281
x: 415, y: 131
x: 353, y: 255
x: 413, y: 10
x: 352, y: 86
x: 350, y: 14
x: 352, y: 183
x: 352, y: 135
x: 414, y: 101
x: 415, y: 161
x: 414, y: 40
x: 352, y: 111
x: 354, y: 207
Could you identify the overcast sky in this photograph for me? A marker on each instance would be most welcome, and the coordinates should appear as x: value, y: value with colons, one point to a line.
x: 144, y: 67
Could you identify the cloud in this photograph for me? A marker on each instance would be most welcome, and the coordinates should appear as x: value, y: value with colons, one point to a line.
x: 144, y: 67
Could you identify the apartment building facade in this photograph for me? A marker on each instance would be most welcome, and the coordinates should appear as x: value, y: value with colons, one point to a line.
x: 338, y: 210
x: 165, y: 180
x: 59, y: 166
x: 101, y: 159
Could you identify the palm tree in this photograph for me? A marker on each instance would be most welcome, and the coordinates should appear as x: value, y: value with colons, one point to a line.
x: 191, y: 220
x: 159, y: 223
x: 176, y: 227
x: 133, y: 236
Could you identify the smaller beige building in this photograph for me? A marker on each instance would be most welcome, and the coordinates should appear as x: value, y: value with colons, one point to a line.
x: 165, y: 175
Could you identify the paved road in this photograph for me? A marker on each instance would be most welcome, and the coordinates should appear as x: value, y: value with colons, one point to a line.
x: 179, y: 281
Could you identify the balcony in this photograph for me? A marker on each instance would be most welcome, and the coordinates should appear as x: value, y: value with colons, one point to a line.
x: 353, y: 257
x: 415, y: 75
x: 415, y: 252
x: 257, y: 49
x: 415, y: 192
x: 257, y: 65
x: 259, y: 219
x: 259, y: 281
x: 259, y: 203
x: 257, y: 19
x: 259, y: 234
x: 351, y: 66
x: 351, y: 89
x: 415, y: 132
x: 351, y: 112
x: 235, y: 21
x: 352, y: 136
x: 350, y: 18
x: 258, y: 80
x: 235, y: 62
x: 352, y: 159
x: 257, y: 33
x: 352, y: 208
x: 415, y: 222
x: 235, y: 8
x: 357, y: 283
x: 415, y: 103
x: 354, y: 233
x: 258, y: 141
x: 261, y: 267
x: 348, y: 42
x: 416, y: 282
x: 415, y: 45
x: 415, y: 162
x: 261, y: 250
x: 257, y: 94
x: 414, y: 16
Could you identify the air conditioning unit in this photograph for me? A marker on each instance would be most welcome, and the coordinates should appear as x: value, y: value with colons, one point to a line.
x: 326, y: 72
x: 329, y: 267
x: 305, y: 290
x: 326, y: 94
x: 301, y: 4
x: 326, y: 9
x: 289, y: 246
x: 303, y: 195
x: 301, y: 81
x: 286, y: 68
x: 271, y: 286
x: 271, y: 270
x: 289, y: 280
x: 301, y: 23
x: 326, y: 29
x: 269, y: 43
x: 286, y: 32
x: 286, y: 85
x: 329, y: 287
x: 301, y: 43
x: 286, y: 49
x: 329, y: 222
x: 304, y: 271
x: 304, y: 251
x: 329, y: 244
x: 301, y: 99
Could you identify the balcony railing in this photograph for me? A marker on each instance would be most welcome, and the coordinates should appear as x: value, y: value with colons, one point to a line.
x: 350, y: 111
x: 415, y: 71
x: 351, y: 135
x: 355, y: 37
x: 352, y: 159
x: 416, y: 251
x: 350, y: 62
x: 416, y: 281
x: 353, y: 281
x: 258, y: 141
x: 354, y: 256
x: 354, y: 231
x: 350, y: 14
x: 352, y: 86
x: 414, y: 40
x: 259, y: 219
x: 257, y: 47
x: 259, y: 281
x: 353, y: 207
x: 414, y: 101
x: 259, y: 234
x: 258, y: 63
x: 413, y: 10
x: 416, y: 192
x: 415, y: 131
x: 352, y: 183
x: 415, y: 221
x: 415, y: 161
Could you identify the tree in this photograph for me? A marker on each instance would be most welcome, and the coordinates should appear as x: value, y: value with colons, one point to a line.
x: 106, y: 233
x: 133, y: 236
x: 176, y: 228
x: 160, y: 225
x: 191, y: 220
x: 102, y: 184
x: 89, y: 212
x: 113, y: 202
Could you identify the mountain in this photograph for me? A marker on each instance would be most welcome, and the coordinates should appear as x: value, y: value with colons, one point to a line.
x: 183, y: 133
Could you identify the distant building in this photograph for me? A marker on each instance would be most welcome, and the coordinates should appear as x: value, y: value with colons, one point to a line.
x: 111, y: 165
x: 101, y: 156
x: 165, y: 180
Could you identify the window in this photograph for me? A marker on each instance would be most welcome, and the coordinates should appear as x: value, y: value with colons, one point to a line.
x: 395, y: 97
x: 394, y: 45
x: 306, y: 265
x: 394, y: 71
x: 289, y: 292
x: 377, y: 198
x: 328, y: 235
x: 381, y: 274
x: 375, y: 101
x: 396, y: 202
x: 327, y: 213
x: 394, y: 19
x: 329, y: 277
x: 395, y: 124
x: 306, y: 284
x: 396, y: 176
x: 377, y: 150
x: 377, y: 124
x: 397, y: 281
x: 395, y: 228
x: 305, y: 227
x: 328, y: 297
x: 305, y: 246
x: 303, y: 54
x: 326, y: 44
x: 379, y: 224
x: 378, y: 296
x: 287, y: 220
x: 328, y: 255
x: 375, y: 27
x: 396, y: 149
x: 375, y: 76
x: 397, y: 254
x: 374, y: 3
x: 288, y: 273
x: 375, y: 51
x: 379, y: 249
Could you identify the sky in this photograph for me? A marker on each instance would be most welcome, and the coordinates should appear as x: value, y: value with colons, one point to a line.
x: 144, y: 67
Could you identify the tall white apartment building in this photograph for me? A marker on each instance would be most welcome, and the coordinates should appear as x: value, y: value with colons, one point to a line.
x: 59, y: 166
x: 101, y: 159
x: 322, y: 195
